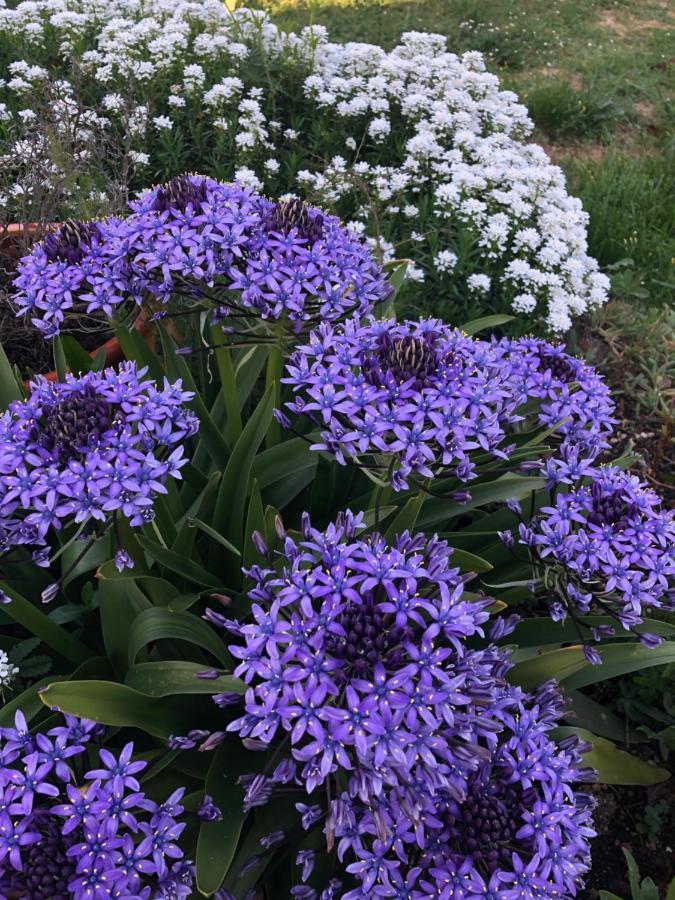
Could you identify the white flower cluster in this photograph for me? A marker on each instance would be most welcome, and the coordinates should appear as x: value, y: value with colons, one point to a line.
x: 8, y: 672
x: 417, y: 143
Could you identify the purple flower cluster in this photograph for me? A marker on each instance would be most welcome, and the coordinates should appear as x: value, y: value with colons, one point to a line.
x: 84, y: 449
x: 521, y: 828
x: 76, y: 267
x: 200, y: 242
x: 413, y: 398
x: 574, y: 396
x: 87, y: 835
x: 281, y: 259
x: 610, y: 535
x: 421, y: 398
x: 431, y: 776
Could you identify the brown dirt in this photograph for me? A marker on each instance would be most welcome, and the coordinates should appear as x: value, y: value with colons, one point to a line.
x: 618, y: 811
x: 586, y: 151
x: 575, y: 81
x: 630, y: 24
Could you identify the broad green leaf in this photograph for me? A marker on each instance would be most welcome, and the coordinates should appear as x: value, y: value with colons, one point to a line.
x: 255, y: 521
x: 228, y: 518
x: 167, y: 677
x: 60, y: 363
x: 608, y: 895
x: 469, y: 562
x: 156, y: 624
x: 40, y: 625
x: 585, y: 712
x: 178, y: 563
x: 436, y: 511
x: 213, y: 534
x: 407, y: 517
x: 282, y: 461
x: 117, y: 704
x: 532, y: 632
x: 559, y: 664
x: 135, y: 348
x: 217, y: 842
x: 485, y: 322
x: 209, y: 431
x: 10, y: 389
x: 29, y: 701
x: 621, y: 659
x: 77, y: 358
x: 569, y: 665
x: 228, y: 385
x: 614, y: 766
x: 119, y: 605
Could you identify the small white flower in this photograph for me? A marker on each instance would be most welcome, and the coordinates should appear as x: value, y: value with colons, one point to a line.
x: 141, y: 159
x: 445, y: 260
x: 8, y: 672
x: 162, y: 123
x: 478, y: 284
x: 272, y: 166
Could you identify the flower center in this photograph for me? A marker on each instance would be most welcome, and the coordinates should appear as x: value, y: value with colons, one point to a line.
x: 75, y: 424
x: 369, y: 637
x: 47, y: 869
x: 559, y: 367
x: 608, y: 509
x: 295, y: 213
x: 70, y: 241
x: 179, y: 192
x: 485, y: 825
x: 400, y: 359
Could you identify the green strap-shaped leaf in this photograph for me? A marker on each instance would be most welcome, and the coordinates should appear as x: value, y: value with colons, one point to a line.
x: 228, y: 517
x: 116, y: 704
x: 438, y: 511
x: 209, y: 431
x: 570, y: 666
x: 217, y: 842
x: 614, y: 766
x: 135, y: 348
x: 179, y: 564
x: 621, y: 659
x: 10, y: 389
x: 119, y: 606
x: 158, y: 624
x: 38, y: 624
x: 407, y: 518
x: 168, y: 677
x: 30, y: 702
x: 535, y: 632
x: 476, y: 325
x: 255, y: 521
x: 228, y: 385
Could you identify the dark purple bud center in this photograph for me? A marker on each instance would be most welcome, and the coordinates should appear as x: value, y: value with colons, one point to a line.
x: 484, y: 826
x: 400, y: 359
x: 180, y: 192
x: 369, y: 637
x: 74, y: 424
x: 561, y: 368
x: 70, y: 242
x: 295, y: 213
x: 47, y: 869
x: 608, y: 509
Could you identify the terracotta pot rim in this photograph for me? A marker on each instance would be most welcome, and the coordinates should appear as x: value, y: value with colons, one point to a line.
x: 112, y: 347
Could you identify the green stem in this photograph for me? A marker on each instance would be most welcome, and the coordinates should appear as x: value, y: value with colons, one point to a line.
x: 275, y: 369
x: 40, y: 625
